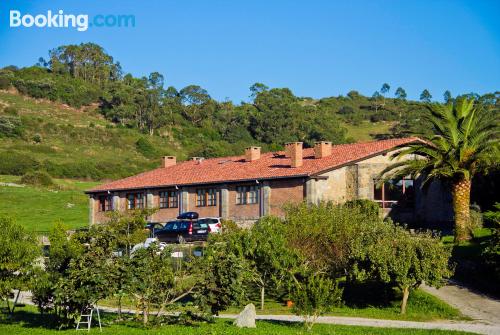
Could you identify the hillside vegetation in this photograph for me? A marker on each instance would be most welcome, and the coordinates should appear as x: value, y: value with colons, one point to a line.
x: 102, y: 123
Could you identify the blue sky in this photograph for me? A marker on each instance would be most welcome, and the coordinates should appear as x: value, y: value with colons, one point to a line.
x: 316, y: 48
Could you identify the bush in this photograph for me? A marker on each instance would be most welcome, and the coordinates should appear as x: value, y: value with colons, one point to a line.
x: 371, y: 208
x: 314, y: 297
x: 10, y: 126
x: 17, y: 164
x: 37, y: 178
x: 37, y: 138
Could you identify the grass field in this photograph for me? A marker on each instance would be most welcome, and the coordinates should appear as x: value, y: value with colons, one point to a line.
x: 421, y: 307
x: 27, y: 321
x: 39, y: 208
x: 366, y: 130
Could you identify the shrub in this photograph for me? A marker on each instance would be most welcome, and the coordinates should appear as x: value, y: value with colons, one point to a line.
x: 16, y: 164
x: 370, y: 208
x: 37, y: 178
x: 10, y: 126
x: 314, y: 297
x: 37, y: 138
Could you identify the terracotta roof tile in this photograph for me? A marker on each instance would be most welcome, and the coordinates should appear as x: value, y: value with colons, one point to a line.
x: 235, y: 168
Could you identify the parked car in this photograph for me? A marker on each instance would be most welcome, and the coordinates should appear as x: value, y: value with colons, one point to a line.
x: 213, y: 223
x: 152, y: 227
x: 183, y: 231
x: 188, y: 216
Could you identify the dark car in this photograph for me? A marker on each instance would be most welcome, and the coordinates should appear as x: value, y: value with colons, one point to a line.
x: 188, y: 216
x: 183, y: 231
x: 153, y: 227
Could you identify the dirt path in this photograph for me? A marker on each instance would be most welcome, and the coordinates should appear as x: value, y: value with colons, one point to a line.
x: 474, y: 305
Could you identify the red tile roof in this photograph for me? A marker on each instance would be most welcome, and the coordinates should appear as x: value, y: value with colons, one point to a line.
x: 269, y: 166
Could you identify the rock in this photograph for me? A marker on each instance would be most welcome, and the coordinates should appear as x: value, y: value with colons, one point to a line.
x: 246, y: 319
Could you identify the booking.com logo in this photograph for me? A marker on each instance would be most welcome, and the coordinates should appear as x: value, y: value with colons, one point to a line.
x: 61, y: 20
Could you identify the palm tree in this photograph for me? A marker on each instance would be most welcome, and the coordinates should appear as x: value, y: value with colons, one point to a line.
x: 464, y: 143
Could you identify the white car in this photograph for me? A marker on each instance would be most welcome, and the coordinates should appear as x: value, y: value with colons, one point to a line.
x: 214, y: 224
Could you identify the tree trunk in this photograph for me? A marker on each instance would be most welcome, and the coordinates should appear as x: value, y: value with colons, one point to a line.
x: 262, y: 292
x: 145, y: 314
x: 406, y: 293
x: 461, y: 203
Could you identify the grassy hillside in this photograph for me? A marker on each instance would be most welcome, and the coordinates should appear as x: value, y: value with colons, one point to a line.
x: 39, y: 208
x: 75, y: 142
x: 69, y: 142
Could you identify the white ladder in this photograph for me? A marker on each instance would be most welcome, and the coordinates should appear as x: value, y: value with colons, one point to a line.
x: 88, y: 317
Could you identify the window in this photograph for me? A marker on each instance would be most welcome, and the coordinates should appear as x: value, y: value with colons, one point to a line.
x: 135, y: 200
x: 212, y: 197
x: 253, y: 195
x: 241, y: 195
x: 173, y: 200
x: 105, y: 203
x: 393, y: 192
x: 247, y: 195
x: 206, y: 197
x: 168, y: 199
x: 201, y: 199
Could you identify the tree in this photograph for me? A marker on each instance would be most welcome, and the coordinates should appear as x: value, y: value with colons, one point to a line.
x: 406, y: 260
x: 376, y: 100
x: 447, y: 96
x: 224, y: 273
x: 153, y: 278
x: 267, y: 250
x: 425, y: 96
x: 257, y: 88
x: 385, y: 89
x: 464, y: 143
x: 18, y: 252
x: 313, y: 297
x: 400, y: 94
x: 197, y: 103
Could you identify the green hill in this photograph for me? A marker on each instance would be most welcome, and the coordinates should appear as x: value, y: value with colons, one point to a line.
x: 38, y: 208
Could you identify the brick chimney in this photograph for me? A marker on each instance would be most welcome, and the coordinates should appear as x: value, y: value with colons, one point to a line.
x: 322, y: 149
x: 252, y: 154
x: 294, y: 150
x: 168, y: 161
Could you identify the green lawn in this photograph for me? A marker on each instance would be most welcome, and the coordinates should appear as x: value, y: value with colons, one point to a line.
x: 39, y: 208
x: 27, y: 321
x: 421, y: 307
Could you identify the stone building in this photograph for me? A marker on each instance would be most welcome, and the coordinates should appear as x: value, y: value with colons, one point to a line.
x: 245, y: 188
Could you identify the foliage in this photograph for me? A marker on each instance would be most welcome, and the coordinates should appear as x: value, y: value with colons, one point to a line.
x: 37, y: 178
x: 329, y: 237
x: 224, y: 273
x: 405, y: 260
x: 152, y: 279
x: 491, y: 252
x: 464, y: 143
x: 18, y: 252
x: 313, y: 297
x: 266, y: 249
x: 370, y: 208
x: 10, y: 126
